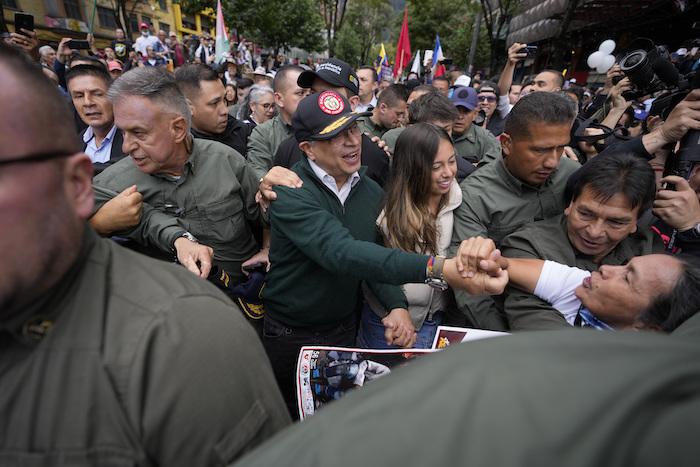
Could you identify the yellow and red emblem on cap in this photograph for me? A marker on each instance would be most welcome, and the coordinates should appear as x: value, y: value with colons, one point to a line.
x: 331, y: 103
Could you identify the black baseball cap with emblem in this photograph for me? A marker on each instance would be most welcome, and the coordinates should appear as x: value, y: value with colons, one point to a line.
x: 322, y: 116
x: 333, y: 71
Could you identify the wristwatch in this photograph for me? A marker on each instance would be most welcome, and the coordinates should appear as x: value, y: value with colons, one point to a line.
x: 692, y: 233
x: 434, y: 273
x: 179, y: 234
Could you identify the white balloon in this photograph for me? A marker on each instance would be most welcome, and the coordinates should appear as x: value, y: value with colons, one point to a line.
x: 595, y: 59
x: 605, y: 64
x: 607, y: 47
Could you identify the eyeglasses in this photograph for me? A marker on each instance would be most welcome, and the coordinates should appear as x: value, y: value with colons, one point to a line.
x: 41, y: 157
x: 486, y: 98
x: 339, y: 139
x: 266, y: 106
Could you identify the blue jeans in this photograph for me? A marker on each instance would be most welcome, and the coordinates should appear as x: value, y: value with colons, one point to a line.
x: 282, y: 345
x: 372, y: 331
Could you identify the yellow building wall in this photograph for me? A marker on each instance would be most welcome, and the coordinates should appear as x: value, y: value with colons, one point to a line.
x: 51, y: 29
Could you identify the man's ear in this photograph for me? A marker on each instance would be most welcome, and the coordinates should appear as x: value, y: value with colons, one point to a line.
x: 278, y: 99
x: 354, y: 102
x: 189, y: 102
x: 694, y: 171
x: 653, y: 121
x: 178, y: 129
x: 77, y: 174
x: 506, y: 143
x: 567, y: 211
x: 307, y: 149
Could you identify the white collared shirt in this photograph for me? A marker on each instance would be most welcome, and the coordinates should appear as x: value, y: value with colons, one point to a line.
x: 104, y: 152
x: 329, y: 181
x: 370, y: 105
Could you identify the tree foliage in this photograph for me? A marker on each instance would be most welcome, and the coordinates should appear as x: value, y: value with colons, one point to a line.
x: 333, y: 15
x: 452, y: 20
x: 271, y: 23
x: 122, y: 13
x: 496, y: 17
x: 365, y: 24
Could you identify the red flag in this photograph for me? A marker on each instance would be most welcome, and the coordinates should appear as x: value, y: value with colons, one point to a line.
x: 403, y: 51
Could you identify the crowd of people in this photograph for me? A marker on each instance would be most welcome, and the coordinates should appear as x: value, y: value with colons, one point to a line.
x: 318, y: 206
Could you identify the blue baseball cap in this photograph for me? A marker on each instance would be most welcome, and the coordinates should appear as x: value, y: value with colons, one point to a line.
x: 464, y: 96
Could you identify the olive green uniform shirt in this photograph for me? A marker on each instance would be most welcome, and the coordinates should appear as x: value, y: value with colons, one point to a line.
x: 477, y: 145
x: 214, y: 199
x: 565, y: 398
x: 390, y: 138
x: 263, y: 143
x: 495, y: 204
x: 138, y: 363
x: 367, y: 126
x: 549, y: 240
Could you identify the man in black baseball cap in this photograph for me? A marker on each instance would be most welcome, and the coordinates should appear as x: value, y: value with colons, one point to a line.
x: 335, y: 73
x: 337, y: 76
x: 324, y: 242
x: 323, y: 118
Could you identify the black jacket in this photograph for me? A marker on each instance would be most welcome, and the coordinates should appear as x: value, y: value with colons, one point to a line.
x: 116, y: 154
x: 234, y: 136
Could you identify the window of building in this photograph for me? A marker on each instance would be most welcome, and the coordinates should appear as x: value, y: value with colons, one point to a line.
x: 52, y: 9
x: 106, y: 17
x: 189, y: 22
x: 165, y: 27
x: 133, y: 23
x: 163, y: 5
x: 207, y: 23
x: 73, y: 9
x: 9, y: 4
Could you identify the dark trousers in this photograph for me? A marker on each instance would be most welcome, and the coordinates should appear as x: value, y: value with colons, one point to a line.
x: 283, y: 343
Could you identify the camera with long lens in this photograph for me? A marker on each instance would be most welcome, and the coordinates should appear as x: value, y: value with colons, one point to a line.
x: 650, y: 70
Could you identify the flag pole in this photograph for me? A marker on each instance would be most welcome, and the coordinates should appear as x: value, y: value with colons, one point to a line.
x: 92, y: 23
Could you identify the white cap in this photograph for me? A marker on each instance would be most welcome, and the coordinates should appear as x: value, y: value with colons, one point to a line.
x: 463, y: 80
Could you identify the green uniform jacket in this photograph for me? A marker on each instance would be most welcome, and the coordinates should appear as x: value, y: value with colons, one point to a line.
x: 321, y: 251
x: 477, y: 145
x: 549, y: 240
x: 145, y: 365
x: 368, y: 126
x: 565, y: 398
x: 390, y: 138
x: 263, y: 143
x: 495, y: 204
x: 214, y: 200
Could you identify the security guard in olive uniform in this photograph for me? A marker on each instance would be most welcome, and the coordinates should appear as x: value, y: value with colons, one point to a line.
x: 535, y: 399
x: 107, y: 357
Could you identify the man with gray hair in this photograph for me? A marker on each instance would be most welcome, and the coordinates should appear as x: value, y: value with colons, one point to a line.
x: 108, y: 357
x: 193, y: 189
x: 47, y: 55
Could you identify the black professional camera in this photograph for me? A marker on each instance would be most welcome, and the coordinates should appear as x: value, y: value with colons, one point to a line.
x: 649, y: 68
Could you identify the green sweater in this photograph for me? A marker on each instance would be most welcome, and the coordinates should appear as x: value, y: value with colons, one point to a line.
x: 321, y: 251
